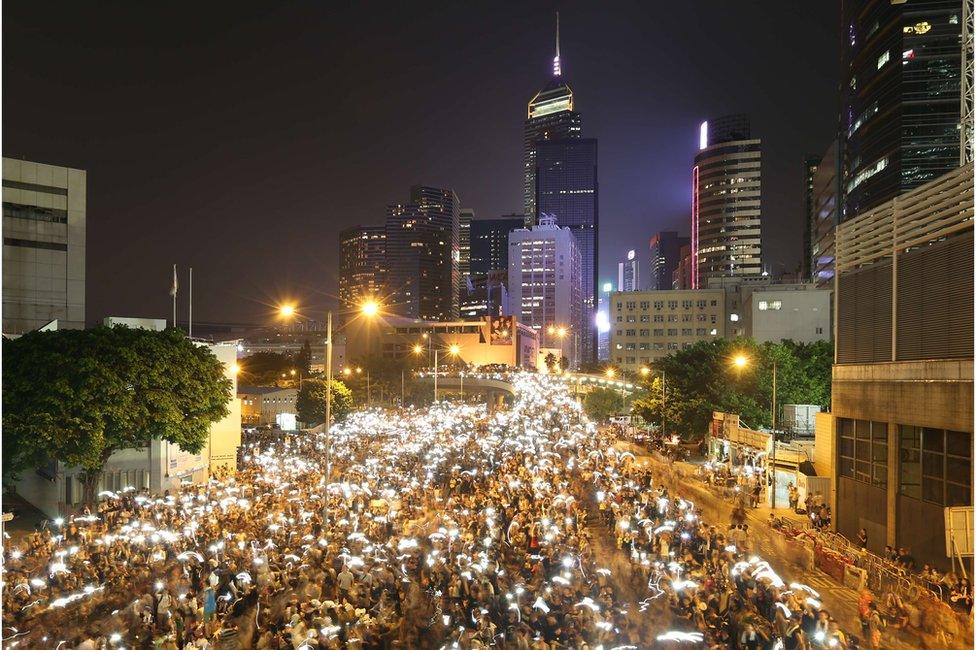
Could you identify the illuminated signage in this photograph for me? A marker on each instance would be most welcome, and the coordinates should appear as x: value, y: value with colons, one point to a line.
x: 918, y: 28
x: 703, y: 135
x: 631, y: 255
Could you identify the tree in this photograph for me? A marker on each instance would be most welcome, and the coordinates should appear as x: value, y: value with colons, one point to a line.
x: 265, y: 368
x: 310, y: 403
x: 564, y: 363
x: 79, y: 396
x: 550, y: 362
x: 303, y: 360
x: 601, y: 403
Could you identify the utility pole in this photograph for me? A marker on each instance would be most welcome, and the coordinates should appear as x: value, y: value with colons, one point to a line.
x: 772, y: 483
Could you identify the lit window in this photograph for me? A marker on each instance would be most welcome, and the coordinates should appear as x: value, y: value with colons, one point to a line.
x: 776, y: 304
x: 714, y: 332
x: 763, y: 305
x: 734, y: 318
x: 883, y: 58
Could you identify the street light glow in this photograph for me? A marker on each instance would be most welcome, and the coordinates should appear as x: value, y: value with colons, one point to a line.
x: 287, y: 311
x: 740, y: 361
x: 455, y: 349
x: 611, y: 372
x: 370, y: 308
x: 417, y: 349
x: 645, y: 371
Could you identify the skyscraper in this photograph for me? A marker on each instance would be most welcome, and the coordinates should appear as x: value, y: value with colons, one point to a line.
x: 551, y: 116
x: 423, y: 252
x: 465, y: 217
x: 900, y: 97
x: 489, y: 243
x: 44, y: 218
x: 362, y: 265
x: 665, y: 249
x: 726, y: 238
x: 628, y: 273
x: 567, y: 189
x: 544, y: 283
x: 826, y: 198
x: 810, y: 171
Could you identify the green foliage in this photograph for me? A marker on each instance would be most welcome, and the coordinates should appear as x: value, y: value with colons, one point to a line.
x: 78, y: 396
x: 303, y: 360
x: 564, y: 363
x: 551, y: 362
x: 601, y: 403
x: 703, y: 378
x: 310, y: 403
x: 266, y: 369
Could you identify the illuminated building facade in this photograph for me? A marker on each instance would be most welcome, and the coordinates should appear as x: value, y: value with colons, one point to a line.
x: 726, y: 237
x: 628, y: 272
x: 551, y: 116
x: 362, y: 265
x: 567, y: 189
x: 544, y: 277
x: 900, y: 94
x: 489, y: 243
x: 825, y: 209
x: 423, y: 255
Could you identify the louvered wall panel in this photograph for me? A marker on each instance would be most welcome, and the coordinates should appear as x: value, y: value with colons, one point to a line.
x: 864, y: 315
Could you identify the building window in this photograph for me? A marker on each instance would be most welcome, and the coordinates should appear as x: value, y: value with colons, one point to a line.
x: 672, y: 331
x: 658, y: 304
x: 672, y: 304
x: 936, y: 465
x: 734, y: 318
x: 659, y: 332
x: 645, y: 332
x: 658, y: 318
x: 885, y: 56
x: 686, y: 331
x: 776, y: 305
x: 763, y: 305
x: 645, y: 318
x: 863, y: 451
x: 714, y: 303
x: 631, y: 332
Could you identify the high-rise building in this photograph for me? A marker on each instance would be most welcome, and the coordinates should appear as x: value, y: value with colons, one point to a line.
x: 465, y: 217
x: 665, y: 249
x: 726, y: 206
x: 826, y: 198
x: 489, y: 243
x: 567, y: 189
x: 810, y: 165
x: 628, y: 272
x: 485, y: 295
x: 362, y: 265
x: 423, y: 251
x: 544, y: 275
x: 902, y: 383
x: 44, y: 216
x: 551, y: 116
x: 900, y: 97
x: 681, y: 278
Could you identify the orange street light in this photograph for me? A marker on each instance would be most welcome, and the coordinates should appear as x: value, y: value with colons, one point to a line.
x: 369, y: 308
x: 645, y: 371
x: 417, y: 349
x: 610, y: 373
x: 286, y: 311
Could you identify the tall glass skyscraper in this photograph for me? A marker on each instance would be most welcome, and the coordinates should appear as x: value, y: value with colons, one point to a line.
x: 900, y: 86
x: 551, y: 116
x: 362, y: 265
x: 423, y: 254
x: 567, y: 189
x: 489, y: 243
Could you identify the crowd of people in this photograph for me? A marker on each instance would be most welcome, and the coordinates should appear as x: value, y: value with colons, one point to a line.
x: 445, y: 526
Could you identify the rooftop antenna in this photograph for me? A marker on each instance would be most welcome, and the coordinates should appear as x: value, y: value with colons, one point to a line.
x: 556, y: 69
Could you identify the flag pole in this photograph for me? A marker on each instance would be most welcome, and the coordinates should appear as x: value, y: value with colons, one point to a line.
x: 191, y: 303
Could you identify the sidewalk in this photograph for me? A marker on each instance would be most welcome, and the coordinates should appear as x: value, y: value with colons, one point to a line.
x: 838, y: 599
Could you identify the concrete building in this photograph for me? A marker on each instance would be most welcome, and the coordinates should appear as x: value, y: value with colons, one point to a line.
x: 800, y: 313
x: 362, y: 266
x: 665, y: 248
x: 44, y: 220
x: 545, y: 287
x: 55, y: 489
x: 902, y: 394
x: 628, y: 273
x: 488, y: 341
x: 261, y: 405
x: 648, y: 325
x: 726, y: 204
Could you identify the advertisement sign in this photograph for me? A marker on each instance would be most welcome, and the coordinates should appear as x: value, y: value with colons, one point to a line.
x: 502, y: 330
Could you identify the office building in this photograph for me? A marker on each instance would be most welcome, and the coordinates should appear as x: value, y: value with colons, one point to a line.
x: 665, y: 249
x: 648, y: 325
x: 362, y: 265
x: 825, y: 210
x: 422, y: 255
x: 465, y: 217
x: 681, y: 277
x: 810, y: 166
x: 902, y: 390
x: 628, y: 273
x: 544, y: 278
x: 726, y: 205
x: 551, y: 116
x: 489, y: 243
x: 44, y: 216
x: 567, y: 189
x: 900, y: 97
x: 796, y: 312
x: 485, y: 295
x: 265, y: 405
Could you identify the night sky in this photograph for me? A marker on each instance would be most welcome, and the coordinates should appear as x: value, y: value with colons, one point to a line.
x: 239, y: 138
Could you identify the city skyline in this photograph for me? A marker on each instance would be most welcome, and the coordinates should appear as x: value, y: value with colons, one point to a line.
x: 328, y: 162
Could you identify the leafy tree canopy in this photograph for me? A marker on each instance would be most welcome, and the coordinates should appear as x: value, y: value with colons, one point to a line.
x: 601, y: 403
x: 311, y: 401
x: 78, y: 396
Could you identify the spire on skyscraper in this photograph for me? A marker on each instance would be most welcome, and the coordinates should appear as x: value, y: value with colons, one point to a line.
x: 556, y: 69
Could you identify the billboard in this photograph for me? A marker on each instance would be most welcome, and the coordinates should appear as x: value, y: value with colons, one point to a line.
x: 501, y: 330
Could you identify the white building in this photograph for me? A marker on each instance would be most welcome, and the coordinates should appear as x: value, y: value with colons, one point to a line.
x: 628, y: 273
x: 545, y: 284
x: 55, y: 489
x: 798, y: 312
x: 43, y: 246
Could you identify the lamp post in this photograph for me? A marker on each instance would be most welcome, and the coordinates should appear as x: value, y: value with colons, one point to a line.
x: 369, y: 309
x: 741, y: 361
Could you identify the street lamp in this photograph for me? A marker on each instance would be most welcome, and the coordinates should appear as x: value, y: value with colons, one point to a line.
x: 741, y: 361
x: 645, y: 371
x: 369, y: 309
x: 454, y: 349
x: 611, y: 373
